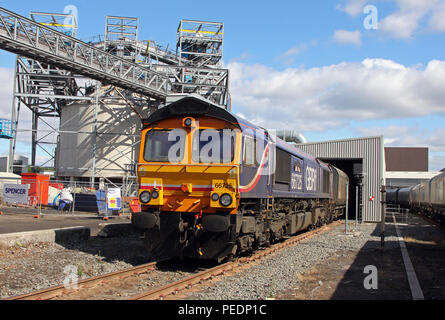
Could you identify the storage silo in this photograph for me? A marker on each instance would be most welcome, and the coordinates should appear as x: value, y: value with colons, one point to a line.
x: 113, y: 149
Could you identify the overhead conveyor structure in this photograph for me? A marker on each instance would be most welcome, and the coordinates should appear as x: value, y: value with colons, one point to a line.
x: 55, y: 71
x: 36, y: 41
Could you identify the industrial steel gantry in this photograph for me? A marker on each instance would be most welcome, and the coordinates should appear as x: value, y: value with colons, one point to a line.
x: 54, y: 68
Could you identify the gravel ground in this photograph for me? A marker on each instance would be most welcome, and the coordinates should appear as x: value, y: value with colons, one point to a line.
x: 41, y: 265
x: 278, y: 272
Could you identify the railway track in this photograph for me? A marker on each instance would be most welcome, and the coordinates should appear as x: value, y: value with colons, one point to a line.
x: 240, y: 263
x: 61, y: 290
x: 174, y: 287
x: 435, y: 221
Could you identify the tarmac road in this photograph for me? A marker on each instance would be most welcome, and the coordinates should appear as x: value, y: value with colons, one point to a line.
x: 22, y: 219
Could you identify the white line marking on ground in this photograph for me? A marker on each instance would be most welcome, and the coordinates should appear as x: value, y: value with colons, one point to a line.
x: 414, y: 285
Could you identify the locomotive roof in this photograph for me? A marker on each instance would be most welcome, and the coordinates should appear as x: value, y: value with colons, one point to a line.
x: 190, y: 106
x: 295, y: 150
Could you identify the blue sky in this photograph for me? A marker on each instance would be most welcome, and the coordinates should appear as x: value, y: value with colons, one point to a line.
x: 290, y: 62
x: 262, y: 30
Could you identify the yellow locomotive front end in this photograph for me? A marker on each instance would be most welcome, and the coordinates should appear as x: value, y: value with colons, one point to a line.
x: 176, y: 173
x: 188, y: 176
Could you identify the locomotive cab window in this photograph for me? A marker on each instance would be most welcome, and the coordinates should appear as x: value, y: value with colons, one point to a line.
x: 249, y: 151
x: 213, y: 146
x: 164, y: 145
x: 326, y: 181
x: 283, y: 161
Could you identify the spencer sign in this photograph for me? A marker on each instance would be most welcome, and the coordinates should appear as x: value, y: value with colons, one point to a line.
x: 15, y: 193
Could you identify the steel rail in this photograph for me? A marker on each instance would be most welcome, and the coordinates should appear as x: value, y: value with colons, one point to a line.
x: 49, y: 293
x: 435, y: 222
x: 172, y: 288
x: 187, y: 283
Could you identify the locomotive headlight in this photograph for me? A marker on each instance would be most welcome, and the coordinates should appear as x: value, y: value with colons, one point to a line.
x: 155, y: 194
x: 215, y: 197
x: 188, y: 122
x: 226, y: 200
x: 145, y: 197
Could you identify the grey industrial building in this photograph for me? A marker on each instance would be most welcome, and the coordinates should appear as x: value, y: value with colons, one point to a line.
x: 363, y: 160
x: 370, y: 165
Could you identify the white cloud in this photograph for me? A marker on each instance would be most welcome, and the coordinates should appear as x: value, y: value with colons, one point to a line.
x: 353, y: 7
x: 436, y: 162
x: 410, y: 17
x: 331, y: 96
x: 348, y: 37
x: 334, y: 96
x: 437, y: 20
x: 401, y: 24
x: 289, y: 56
x: 404, y: 136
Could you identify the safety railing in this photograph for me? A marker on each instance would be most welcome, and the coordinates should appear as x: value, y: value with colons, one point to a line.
x: 31, y: 39
x: 211, y: 83
x: 41, y: 195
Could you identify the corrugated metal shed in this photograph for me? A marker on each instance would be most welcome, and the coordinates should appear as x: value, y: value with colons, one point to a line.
x: 371, y: 151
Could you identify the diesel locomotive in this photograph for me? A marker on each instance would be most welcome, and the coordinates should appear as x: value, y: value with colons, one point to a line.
x: 213, y: 185
x: 426, y: 198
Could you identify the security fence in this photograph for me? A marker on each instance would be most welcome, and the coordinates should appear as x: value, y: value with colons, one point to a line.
x: 41, y: 195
